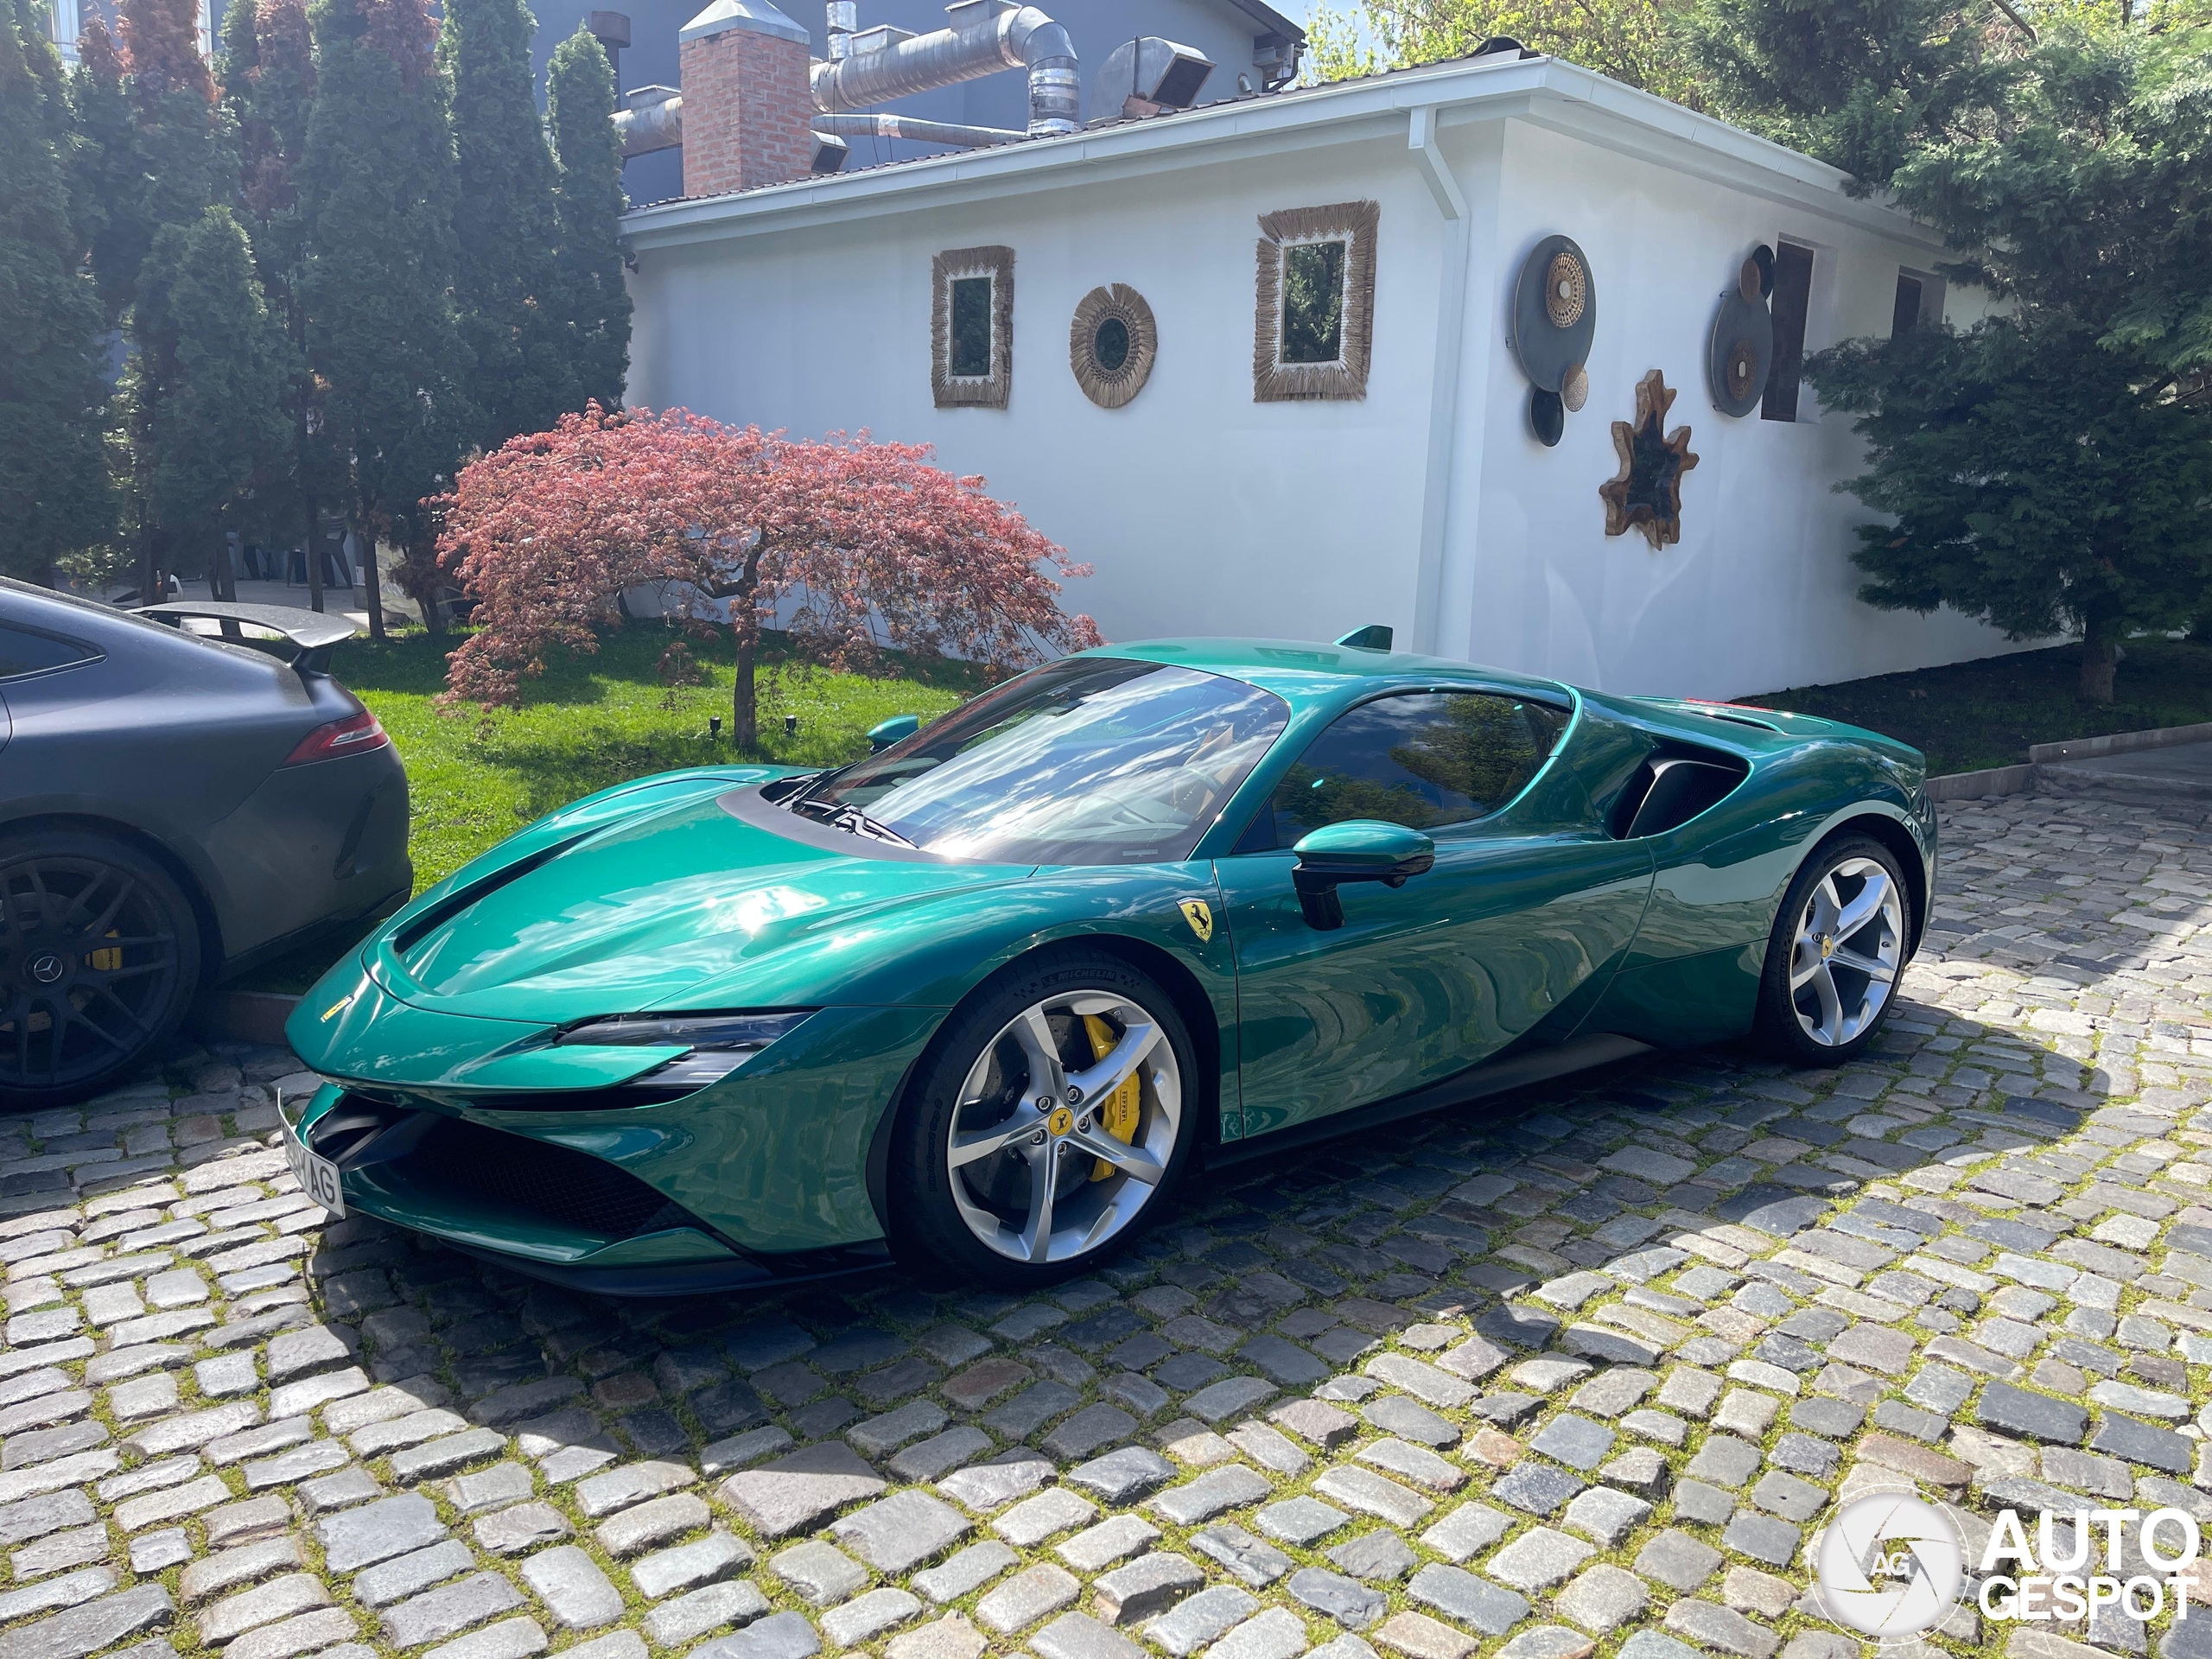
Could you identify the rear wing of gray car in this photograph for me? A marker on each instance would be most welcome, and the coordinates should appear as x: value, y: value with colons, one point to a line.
x: 313, y: 633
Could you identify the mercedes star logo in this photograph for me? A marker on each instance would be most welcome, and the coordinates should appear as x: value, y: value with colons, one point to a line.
x: 46, y: 968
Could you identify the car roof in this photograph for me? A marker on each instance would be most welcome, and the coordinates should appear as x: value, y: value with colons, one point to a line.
x: 1305, y: 673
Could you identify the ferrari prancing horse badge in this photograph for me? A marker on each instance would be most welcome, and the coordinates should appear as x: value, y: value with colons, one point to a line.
x: 1195, y: 912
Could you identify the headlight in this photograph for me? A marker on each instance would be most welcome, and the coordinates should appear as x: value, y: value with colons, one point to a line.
x: 720, y: 1043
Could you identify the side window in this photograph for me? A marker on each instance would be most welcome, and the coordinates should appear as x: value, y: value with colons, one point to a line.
x: 1919, y: 300
x: 23, y: 652
x: 1793, y: 293
x: 1425, y: 760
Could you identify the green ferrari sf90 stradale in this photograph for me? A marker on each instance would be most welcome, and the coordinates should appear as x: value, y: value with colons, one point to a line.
x: 980, y: 998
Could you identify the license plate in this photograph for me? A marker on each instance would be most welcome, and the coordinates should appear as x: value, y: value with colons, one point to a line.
x: 317, y: 1177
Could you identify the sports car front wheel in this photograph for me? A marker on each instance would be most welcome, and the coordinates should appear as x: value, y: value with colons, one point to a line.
x: 1046, y: 1125
x: 1835, y: 954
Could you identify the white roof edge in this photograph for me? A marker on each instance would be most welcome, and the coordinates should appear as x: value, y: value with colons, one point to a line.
x: 1549, y: 92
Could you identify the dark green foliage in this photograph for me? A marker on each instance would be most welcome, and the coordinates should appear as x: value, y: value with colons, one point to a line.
x: 55, y: 495
x: 209, y: 371
x: 241, y: 54
x: 505, y: 281
x: 184, y: 144
x: 269, y: 82
x: 105, y: 178
x: 1859, y: 84
x: 1313, y: 301
x: 969, y: 351
x: 579, y: 110
x: 377, y: 193
x: 2032, y: 482
x: 2084, y: 188
x: 2052, y: 469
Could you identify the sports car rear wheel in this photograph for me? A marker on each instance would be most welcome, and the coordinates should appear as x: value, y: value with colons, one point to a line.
x: 1836, y: 952
x: 1047, y: 1127
x: 99, y: 955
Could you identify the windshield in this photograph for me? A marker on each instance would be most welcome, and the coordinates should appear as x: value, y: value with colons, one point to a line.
x: 1088, y: 760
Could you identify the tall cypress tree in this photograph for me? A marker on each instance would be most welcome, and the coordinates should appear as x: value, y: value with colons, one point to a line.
x: 269, y: 80
x: 209, y: 370
x: 580, y: 109
x: 505, y: 282
x: 55, y: 495
x: 377, y: 194
x: 106, y: 176
x: 185, y: 144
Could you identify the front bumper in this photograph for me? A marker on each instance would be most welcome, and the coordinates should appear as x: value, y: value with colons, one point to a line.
x: 540, y: 1207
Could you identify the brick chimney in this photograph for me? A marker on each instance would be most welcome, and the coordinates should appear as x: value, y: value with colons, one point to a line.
x: 747, y: 107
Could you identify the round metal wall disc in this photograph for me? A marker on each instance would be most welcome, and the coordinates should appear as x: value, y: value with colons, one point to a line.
x: 1546, y: 418
x: 1576, y: 391
x: 1739, y: 354
x: 1555, y: 314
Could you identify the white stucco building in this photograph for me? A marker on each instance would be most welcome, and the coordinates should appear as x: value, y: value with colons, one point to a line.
x: 1428, y: 503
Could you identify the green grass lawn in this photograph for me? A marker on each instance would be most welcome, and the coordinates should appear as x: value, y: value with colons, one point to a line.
x: 1986, y: 713
x: 474, y: 779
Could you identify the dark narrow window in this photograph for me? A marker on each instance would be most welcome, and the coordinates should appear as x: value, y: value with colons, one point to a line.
x: 971, y: 326
x: 1793, y: 288
x: 22, y: 653
x: 1313, y: 301
x: 1905, y: 312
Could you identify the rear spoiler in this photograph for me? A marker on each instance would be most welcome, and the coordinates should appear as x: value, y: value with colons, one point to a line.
x: 314, y: 631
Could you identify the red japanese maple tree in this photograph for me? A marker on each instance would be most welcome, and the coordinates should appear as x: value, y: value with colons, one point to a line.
x: 859, y: 547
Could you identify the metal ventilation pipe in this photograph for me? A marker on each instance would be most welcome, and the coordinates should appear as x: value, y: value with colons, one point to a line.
x: 844, y: 18
x: 986, y: 37
x: 880, y: 125
x: 652, y: 120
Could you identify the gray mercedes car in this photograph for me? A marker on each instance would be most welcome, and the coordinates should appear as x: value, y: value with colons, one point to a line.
x: 175, y: 807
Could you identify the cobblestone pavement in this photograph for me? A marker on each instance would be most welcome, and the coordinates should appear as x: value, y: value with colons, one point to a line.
x: 1576, y: 1370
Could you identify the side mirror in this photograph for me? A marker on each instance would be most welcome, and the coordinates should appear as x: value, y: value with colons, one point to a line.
x: 1361, y: 850
x: 897, y: 729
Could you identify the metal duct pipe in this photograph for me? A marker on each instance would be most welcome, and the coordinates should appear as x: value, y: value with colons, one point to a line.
x: 654, y: 120
x: 999, y: 37
x: 844, y: 18
x: 878, y: 125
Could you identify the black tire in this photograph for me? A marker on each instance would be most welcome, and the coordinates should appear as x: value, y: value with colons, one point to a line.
x: 99, y: 957
x: 930, y: 1231
x: 1794, y: 1022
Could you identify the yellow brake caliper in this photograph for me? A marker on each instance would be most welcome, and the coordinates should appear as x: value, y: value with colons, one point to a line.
x: 1118, y: 1117
x: 107, y: 958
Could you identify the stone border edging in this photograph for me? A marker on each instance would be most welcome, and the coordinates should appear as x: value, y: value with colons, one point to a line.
x: 1972, y: 785
x: 2020, y: 780
x: 2087, y: 748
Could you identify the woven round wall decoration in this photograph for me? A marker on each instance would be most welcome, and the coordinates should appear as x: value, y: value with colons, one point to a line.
x: 1555, y: 312
x: 1740, y: 350
x: 1111, y: 345
x: 1567, y: 290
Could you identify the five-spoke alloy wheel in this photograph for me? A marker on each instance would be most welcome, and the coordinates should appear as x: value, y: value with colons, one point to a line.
x: 99, y: 955
x: 1046, y: 1125
x: 1839, y: 944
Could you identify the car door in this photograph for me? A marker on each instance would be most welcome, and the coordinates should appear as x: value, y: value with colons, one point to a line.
x: 1426, y: 979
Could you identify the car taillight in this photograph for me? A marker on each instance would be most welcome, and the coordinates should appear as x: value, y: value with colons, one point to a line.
x: 355, y: 735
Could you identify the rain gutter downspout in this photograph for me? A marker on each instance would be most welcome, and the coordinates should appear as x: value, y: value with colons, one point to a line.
x: 1454, y: 254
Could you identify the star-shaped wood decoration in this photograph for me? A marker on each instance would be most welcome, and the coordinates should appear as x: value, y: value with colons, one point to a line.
x: 1648, y: 493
